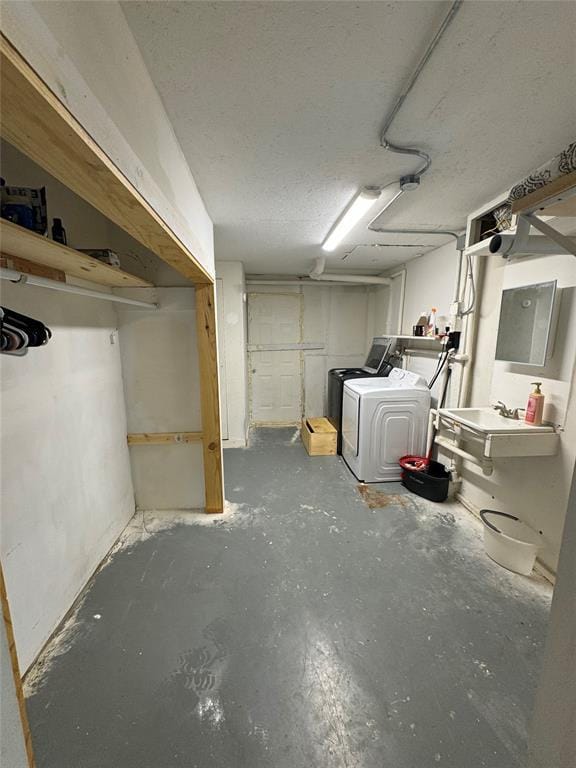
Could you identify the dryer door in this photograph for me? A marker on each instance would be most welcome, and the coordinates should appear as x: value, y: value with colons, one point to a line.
x: 350, y: 422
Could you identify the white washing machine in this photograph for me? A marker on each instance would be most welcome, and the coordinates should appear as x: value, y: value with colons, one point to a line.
x: 382, y: 420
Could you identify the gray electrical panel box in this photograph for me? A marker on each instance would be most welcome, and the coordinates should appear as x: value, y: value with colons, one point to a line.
x: 528, y: 316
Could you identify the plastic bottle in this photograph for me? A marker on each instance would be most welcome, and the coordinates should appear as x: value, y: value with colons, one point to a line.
x: 58, y: 232
x: 432, y: 322
x: 535, y: 406
x: 423, y: 319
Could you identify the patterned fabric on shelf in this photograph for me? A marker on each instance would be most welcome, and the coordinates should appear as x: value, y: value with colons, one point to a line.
x: 560, y: 165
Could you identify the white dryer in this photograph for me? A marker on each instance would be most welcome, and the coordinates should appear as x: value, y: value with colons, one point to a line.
x: 383, y: 420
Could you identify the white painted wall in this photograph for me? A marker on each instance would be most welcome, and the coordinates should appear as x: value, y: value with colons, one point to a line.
x: 232, y: 339
x: 535, y: 489
x: 66, y: 485
x: 553, y: 732
x: 340, y: 318
x: 87, y: 55
x: 162, y: 388
x: 430, y: 283
x: 381, y: 319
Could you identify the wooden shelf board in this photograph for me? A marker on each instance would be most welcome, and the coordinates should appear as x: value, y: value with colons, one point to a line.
x: 555, y: 199
x: 36, y: 122
x: 163, y: 438
x: 24, y: 244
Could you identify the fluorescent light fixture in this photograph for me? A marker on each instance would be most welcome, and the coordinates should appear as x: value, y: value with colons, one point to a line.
x: 361, y: 204
x: 351, y: 216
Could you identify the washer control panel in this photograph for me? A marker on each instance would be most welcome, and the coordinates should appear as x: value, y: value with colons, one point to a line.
x: 409, y: 378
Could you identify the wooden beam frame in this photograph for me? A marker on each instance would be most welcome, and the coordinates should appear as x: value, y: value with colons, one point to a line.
x: 555, y: 199
x: 16, y: 672
x: 36, y: 122
x: 210, y: 394
x: 164, y: 438
x: 18, y: 242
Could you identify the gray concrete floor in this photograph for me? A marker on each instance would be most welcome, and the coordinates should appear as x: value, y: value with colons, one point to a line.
x: 302, y: 629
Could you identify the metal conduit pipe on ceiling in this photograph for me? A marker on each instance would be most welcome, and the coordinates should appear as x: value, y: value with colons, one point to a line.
x: 410, y: 182
x: 384, y: 142
x: 459, y: 238
x: 388, y: 145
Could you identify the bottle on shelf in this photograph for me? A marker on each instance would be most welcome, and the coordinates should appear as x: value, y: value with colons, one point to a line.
x: 431, y: 331
x: 58, y: 232
x: 421, y: 326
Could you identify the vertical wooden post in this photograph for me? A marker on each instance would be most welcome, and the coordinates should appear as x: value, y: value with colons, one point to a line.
x: 16, y: 671
x: 210, y: 396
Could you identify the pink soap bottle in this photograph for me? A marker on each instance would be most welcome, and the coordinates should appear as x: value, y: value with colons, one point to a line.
x: 535, y: 407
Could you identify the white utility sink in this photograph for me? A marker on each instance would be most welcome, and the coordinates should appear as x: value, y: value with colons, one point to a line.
x: 487, y: 420
x: 498, y: 436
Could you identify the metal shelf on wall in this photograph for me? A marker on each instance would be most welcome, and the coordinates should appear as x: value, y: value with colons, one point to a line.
x: 426, y: 339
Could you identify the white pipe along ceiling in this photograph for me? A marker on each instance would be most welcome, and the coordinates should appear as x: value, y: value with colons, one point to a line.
x: 318, y: 274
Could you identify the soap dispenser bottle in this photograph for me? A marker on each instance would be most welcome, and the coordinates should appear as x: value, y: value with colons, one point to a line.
x: 535, y: 406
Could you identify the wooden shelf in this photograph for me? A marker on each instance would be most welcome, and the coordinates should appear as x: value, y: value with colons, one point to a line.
x: 555, y: 199
x: 164, y: 438
x: 24, y: 244
x: 36, y: 122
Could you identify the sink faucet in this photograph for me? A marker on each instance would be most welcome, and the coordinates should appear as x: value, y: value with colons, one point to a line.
x: 508, y: 413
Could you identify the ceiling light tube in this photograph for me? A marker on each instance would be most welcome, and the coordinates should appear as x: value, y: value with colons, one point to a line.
x: 356, y: 210
x: 389, y: 194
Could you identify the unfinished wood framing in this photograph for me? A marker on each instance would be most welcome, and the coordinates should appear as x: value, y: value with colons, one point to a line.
x: 36, y: 122
x: 208, y: 361
x: 164, y: 438
x: 31, y: 268
x: 21, y: 243
x: 16, y: 671
x: 555, y: 199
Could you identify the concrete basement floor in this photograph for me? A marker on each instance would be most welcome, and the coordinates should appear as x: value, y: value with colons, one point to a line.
x: 302, y: 629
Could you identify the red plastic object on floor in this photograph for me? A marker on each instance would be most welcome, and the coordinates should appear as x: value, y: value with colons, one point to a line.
x: 414, y: 463
x: 425, y: 477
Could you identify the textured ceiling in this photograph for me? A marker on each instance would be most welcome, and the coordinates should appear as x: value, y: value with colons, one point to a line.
x: 278, y: 105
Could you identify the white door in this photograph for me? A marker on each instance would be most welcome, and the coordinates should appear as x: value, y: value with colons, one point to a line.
x: 275, y: 370
x: 222, y: 358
